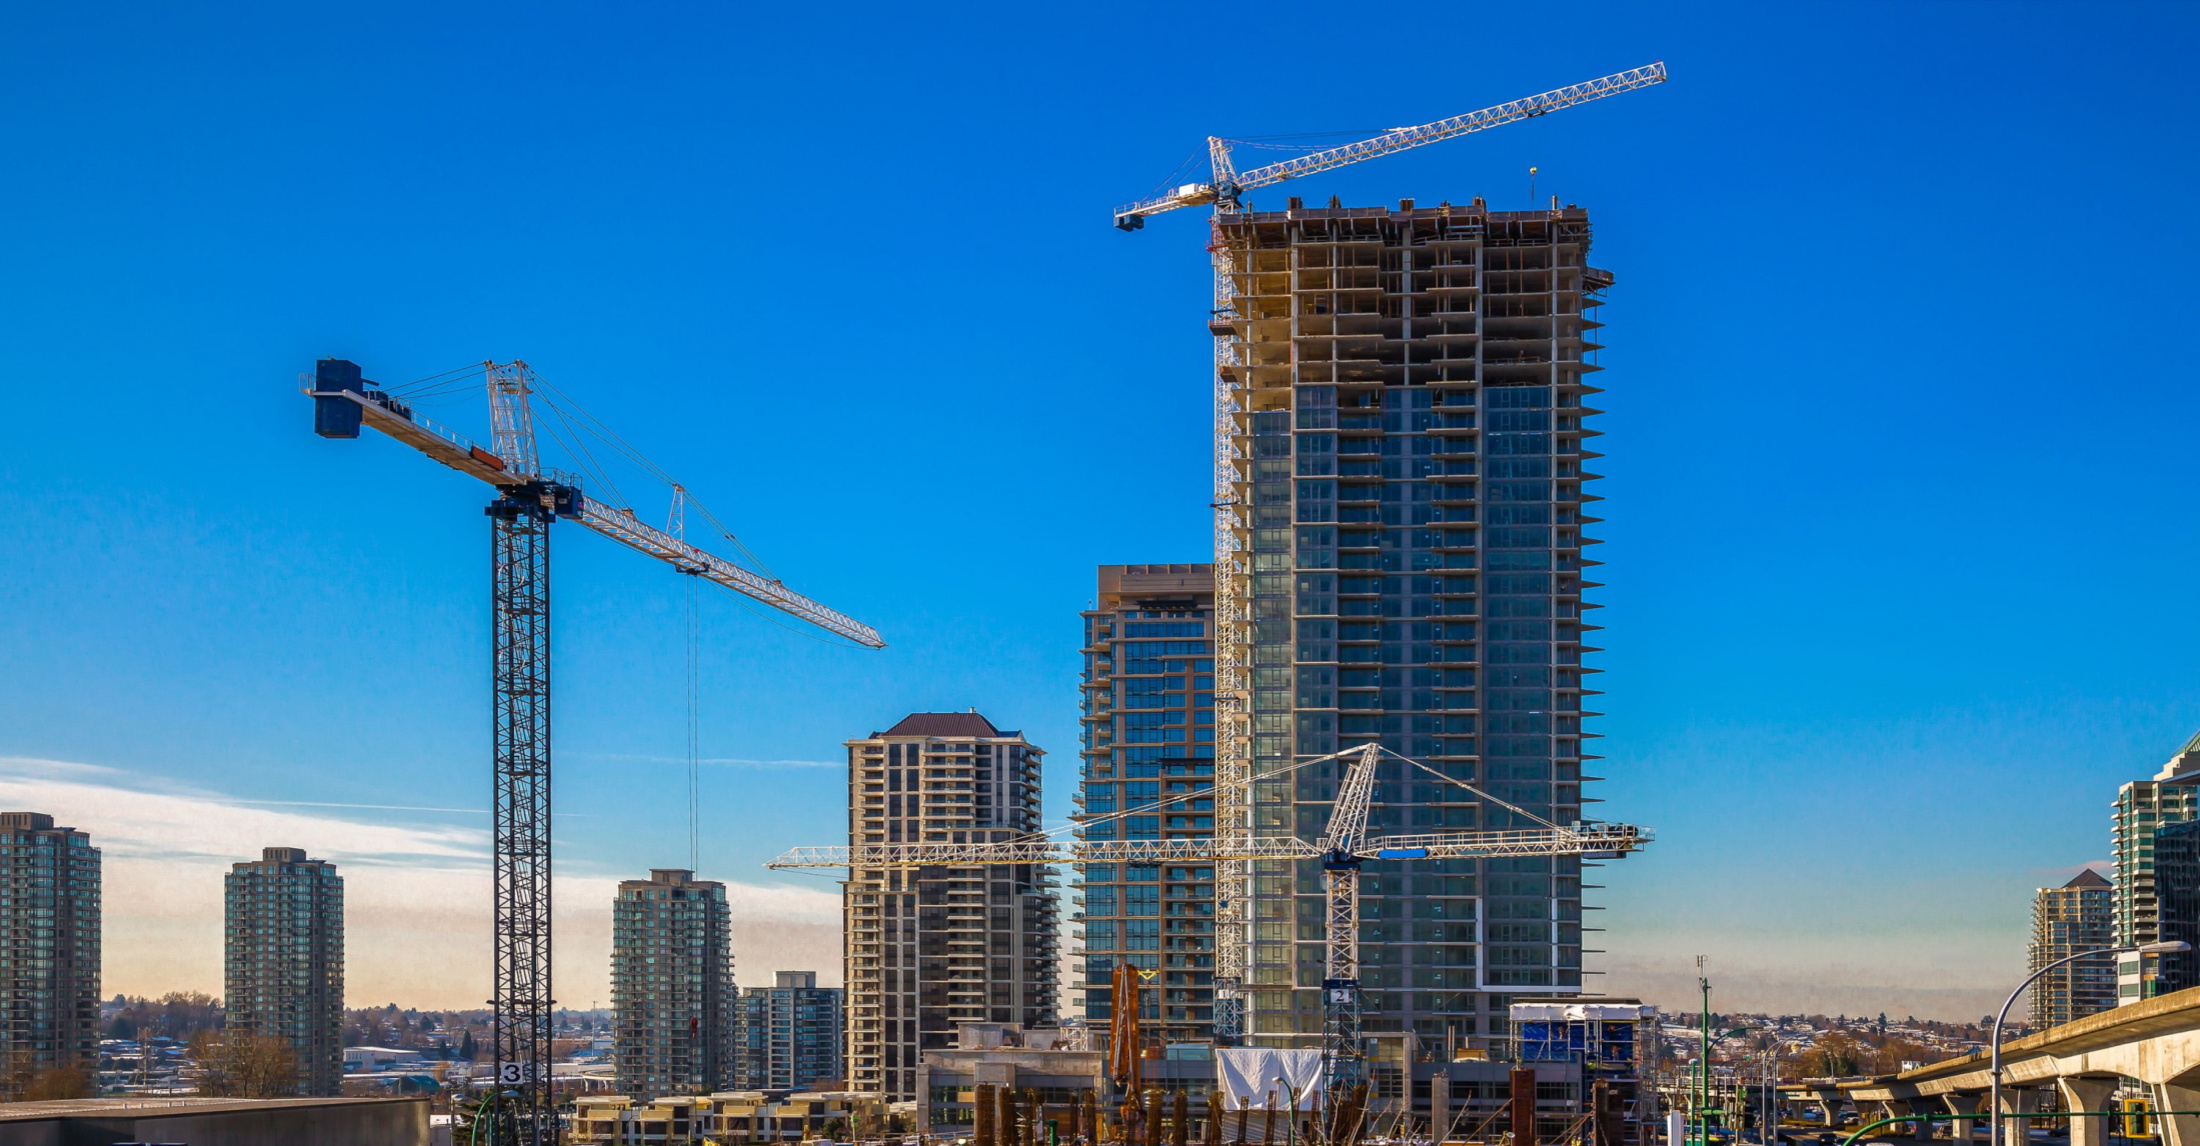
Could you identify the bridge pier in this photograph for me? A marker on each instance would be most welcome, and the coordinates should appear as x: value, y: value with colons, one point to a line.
x: 2015, y: 1103
x: 2086, y: 1092
x: 1960, y: 1129
x: 2177, y: 1129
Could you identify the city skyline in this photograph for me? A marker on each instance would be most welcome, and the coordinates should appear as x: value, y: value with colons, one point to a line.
x: 221, y: 634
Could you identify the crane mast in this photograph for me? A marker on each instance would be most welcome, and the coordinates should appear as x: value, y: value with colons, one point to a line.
x: 527, y: 501
x: 1232, y: 485
x: 519, y: 594
x: 1343, y: 1051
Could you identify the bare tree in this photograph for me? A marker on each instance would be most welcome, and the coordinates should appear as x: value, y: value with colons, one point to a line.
x: 240, y: 1064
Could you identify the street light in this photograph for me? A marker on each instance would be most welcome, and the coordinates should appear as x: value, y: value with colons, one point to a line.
x: 1993, y: 1114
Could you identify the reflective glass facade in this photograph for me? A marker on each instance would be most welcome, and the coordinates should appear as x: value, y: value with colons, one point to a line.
x: 1148, y: 761
x: 790, y: 1033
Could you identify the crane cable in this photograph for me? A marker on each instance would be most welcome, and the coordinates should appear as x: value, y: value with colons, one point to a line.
x: 694, y: 729
x: 1212, y: 788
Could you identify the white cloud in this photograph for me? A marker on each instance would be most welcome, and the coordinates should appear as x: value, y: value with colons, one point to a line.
x: 417, y: 893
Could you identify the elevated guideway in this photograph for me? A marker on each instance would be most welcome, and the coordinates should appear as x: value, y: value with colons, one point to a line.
x: 2079, y: 1065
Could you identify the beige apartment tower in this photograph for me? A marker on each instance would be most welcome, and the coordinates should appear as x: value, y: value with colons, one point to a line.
x: 2078, y: 916
x: 927, y: 949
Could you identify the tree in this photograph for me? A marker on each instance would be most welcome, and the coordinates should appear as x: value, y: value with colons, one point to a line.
x: 58, y: 1082
x: 174, y: 1015
x: 1836, y: 1054
x: 240, y: 1064
x: 466, y: 1047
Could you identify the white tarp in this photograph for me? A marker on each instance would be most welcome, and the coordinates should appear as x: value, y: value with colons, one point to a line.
x: 1579, y: 1012
x: 1253, y: 1078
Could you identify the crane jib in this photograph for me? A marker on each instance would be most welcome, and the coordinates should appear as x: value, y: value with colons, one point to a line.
x: 1224, y: 188
x: 343, y: 401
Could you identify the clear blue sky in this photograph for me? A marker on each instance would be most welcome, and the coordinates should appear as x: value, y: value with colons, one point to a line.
x: 1900, y: 500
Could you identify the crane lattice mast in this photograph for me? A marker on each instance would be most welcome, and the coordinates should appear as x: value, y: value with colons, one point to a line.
x: 1233, y: 623
x: 528, y: 499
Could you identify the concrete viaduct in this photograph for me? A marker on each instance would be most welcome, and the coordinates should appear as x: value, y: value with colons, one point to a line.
x: 2155, y: 1043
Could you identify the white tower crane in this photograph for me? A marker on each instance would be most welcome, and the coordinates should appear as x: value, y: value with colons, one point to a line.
x: 1232, y: 618
x: 1342, y: 848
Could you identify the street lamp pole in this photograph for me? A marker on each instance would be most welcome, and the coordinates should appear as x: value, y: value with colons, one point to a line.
x: 1993, y: 1113
x: 1702, y: 1099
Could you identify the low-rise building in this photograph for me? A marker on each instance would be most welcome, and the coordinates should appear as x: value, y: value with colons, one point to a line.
x: 769, y: 1116
x: 743, y: 1116
x: 616, y: 1120
x: 1056, y: 1063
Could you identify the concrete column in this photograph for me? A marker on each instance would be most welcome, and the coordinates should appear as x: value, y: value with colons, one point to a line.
x: 2177, y: 1129
x: 1831, y: 1109
x: 2016, y: 1102
x: 1961, y: 1129
x: 2081, y: 1094
x: 1439, y: 1103
x: 1896, y: 1108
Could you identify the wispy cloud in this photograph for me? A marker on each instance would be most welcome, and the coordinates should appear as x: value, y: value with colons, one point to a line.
x: 385, y: 807
x: 724, y: 761
x: 360, y: 807
x: 417, y: 894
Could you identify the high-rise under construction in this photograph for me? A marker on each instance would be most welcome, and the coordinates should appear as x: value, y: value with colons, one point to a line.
x: 1407, y: 396
x: 930, y: 948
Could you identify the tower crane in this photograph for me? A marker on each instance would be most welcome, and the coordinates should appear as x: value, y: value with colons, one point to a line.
x: 527, y: 499
x: 1224, y: 191
x: 1344, y: 846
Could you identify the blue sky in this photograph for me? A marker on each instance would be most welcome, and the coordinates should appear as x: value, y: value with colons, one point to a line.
x: 1899, y: 418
